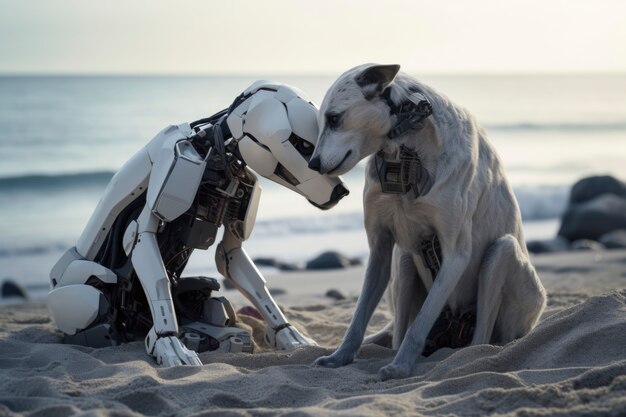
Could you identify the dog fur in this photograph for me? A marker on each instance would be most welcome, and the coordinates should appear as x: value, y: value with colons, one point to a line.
x: 470, y: 207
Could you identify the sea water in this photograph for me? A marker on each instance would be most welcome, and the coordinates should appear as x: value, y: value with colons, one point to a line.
x: 63, y: 137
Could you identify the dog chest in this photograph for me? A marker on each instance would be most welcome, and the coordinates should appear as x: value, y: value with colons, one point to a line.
x: 408, y: 222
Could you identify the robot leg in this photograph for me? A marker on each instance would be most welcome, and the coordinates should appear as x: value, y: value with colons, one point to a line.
x: 77, y: 302
x: 206, y: 322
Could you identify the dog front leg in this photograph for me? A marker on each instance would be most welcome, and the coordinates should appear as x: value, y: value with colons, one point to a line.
x: 374, y: 285
x: 414, y: 341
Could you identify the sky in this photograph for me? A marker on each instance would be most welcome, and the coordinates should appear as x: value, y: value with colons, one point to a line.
x: 312, y: 37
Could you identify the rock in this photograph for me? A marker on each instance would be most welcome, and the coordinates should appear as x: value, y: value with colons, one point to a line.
x: 286, y: 266
x: 275, y: 263
x: 335, y: 294
x: 13, y: 289
x: 329, y: 260
x: 557, y: 244
x: 589, y: 188
x: 265, y: 261
x: 586, y: 244
x: 356, y: 262
x: 592, y: 219
x: 614, y: 240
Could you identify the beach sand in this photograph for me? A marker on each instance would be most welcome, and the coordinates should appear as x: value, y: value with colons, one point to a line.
x: 572, y: 363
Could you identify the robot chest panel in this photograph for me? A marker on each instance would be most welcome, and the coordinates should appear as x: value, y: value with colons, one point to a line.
x: 213, y: 209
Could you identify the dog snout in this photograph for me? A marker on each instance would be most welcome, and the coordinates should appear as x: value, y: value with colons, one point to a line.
x: 315, y: 163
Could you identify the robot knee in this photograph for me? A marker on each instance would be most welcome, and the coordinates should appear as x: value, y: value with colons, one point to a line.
x: 75, y: 309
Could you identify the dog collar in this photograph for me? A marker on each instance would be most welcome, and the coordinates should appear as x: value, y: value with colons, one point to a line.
x: 409, y: 114
x: 403, y: 172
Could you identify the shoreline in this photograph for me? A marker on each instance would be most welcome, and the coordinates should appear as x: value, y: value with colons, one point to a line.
x: 31, y: 269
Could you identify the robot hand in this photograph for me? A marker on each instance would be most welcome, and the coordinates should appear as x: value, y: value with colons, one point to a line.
x: 169, y: 350
x: 287, y: 338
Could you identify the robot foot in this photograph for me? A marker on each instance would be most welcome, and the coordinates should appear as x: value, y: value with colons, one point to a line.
x: 287, y: 338
x: 169, y: 350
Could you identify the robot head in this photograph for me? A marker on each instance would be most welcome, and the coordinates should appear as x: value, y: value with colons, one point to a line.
x: 275, y: 126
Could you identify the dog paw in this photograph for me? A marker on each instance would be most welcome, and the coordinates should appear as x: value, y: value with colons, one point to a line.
x: 332, y: 361
x: 393, y: 372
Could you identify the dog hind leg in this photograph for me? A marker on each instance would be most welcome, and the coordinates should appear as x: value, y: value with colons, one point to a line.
x: 510, y: 295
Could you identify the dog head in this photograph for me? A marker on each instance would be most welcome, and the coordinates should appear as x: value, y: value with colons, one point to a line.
x: 353, y: 119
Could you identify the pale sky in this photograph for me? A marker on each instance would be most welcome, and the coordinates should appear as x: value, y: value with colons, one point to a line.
x: 315, y: 36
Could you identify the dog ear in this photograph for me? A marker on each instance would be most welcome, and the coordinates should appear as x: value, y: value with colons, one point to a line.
x: 376, y: 78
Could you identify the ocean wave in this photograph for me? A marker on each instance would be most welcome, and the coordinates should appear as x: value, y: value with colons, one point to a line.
x: 540, y: 203
x: 44, y: 181
x: 536, y: 203
x: 561, y: 127
x: 310, y: 225
x: 34, y: 250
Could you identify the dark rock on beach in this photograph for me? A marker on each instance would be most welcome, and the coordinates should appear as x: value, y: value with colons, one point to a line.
x: 12, y: 289
x: 594, y: 218
x: 265, y: 261
x: 275, y: 263
x: 590, y: 188
x: 335, y: 294
x: 614, y: 240
x: 286, y: 266
x: 557, y: 244
x: 331, y: 260
x: 586, y: 244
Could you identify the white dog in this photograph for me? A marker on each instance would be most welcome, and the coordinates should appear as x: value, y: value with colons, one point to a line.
x: 437, y: 205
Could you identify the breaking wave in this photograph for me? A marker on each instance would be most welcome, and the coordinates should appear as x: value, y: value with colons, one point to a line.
x: 536, y: 203
x: 56, y: 181
x: 561, y: 127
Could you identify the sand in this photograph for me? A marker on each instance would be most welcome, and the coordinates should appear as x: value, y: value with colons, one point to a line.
x: 572, y: 363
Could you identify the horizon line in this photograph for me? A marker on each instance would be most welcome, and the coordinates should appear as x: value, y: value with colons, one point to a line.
x: 235, y: 74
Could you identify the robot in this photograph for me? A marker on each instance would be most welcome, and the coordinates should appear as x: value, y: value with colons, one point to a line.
x: 122, y: 281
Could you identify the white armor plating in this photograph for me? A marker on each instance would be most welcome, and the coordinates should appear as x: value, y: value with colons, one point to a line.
x: 270, y: 127
x: 80, y: 312
x: 169, y: 199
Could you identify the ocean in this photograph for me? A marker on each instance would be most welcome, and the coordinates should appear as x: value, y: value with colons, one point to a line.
x: 63, y: 137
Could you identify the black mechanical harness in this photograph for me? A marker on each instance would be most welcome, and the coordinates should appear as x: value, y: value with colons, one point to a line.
x: 404, y: 172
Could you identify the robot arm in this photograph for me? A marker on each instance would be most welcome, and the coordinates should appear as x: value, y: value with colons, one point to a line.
x: 162, y: 341
x: 275, y: 128
x: 234, y: 263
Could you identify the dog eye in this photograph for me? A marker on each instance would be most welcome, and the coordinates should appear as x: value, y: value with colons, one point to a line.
x: 332, y: 120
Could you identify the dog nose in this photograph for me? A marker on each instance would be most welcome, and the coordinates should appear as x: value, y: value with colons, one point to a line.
x: 314, y: 164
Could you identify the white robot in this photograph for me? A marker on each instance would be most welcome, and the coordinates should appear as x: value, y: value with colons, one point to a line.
x: 122, y: 281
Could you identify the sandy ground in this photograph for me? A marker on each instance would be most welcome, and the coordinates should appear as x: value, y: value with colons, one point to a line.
x: 572, y: 363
